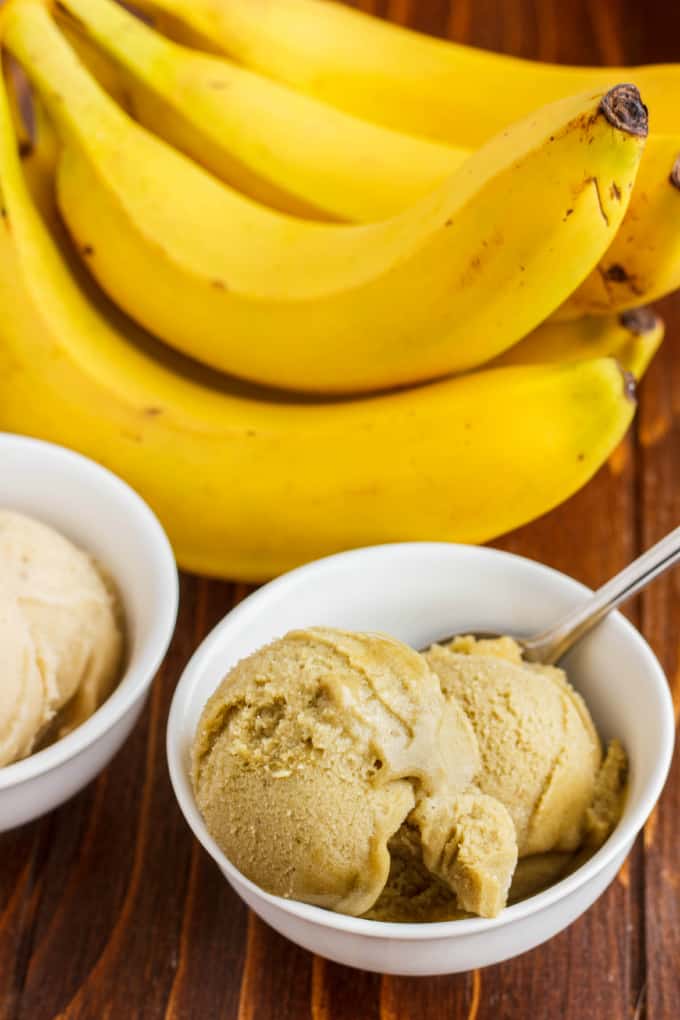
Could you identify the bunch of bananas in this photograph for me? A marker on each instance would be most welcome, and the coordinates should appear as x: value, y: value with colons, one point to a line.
x: 298, y: 195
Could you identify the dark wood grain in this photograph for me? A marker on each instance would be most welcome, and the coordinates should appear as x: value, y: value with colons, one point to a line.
x: 659, y: 455
x: 108, y: 908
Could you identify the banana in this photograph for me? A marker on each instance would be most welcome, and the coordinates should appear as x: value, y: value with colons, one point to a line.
x: 249, y: 484
x: 632, y: 338
x: 19, y: 99
x: 36, y: 142
x: 39, y: 151
x: 99, y: 66
x: 444, y: 286
x: 255, y: 135
x: 643, y: 261
x: 392, y: 75
x: 268, y: 141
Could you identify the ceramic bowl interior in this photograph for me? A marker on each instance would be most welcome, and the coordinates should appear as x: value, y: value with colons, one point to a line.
x: 105, y: 517
x: 421, y: 592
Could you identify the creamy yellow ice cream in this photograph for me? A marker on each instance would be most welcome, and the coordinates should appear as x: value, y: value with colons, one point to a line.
x: 22, y: 702
x: 540, y: 755
x: 540, y: 751
x: 414, y: 895
x: 313, y: 752
x: 349, y: 771
x: 60, y: 637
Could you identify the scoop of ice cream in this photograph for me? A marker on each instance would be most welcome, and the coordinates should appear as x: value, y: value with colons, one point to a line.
x: 413, y: 895
x: 539, y: 748
x: 68, y: 633
x: 468, y: 840
x: 23, y: 707
x: 312, y: 753
x: 609, y: 794
x: 528, y: 762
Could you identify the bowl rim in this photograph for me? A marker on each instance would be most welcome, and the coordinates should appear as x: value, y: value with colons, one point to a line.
x: 621, y: 839
x: 138, y: 676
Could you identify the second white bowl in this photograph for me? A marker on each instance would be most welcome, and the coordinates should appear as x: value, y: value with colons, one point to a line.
x: 107, y: 519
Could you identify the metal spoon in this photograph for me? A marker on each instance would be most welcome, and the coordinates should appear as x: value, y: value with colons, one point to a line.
x: 550, y: 645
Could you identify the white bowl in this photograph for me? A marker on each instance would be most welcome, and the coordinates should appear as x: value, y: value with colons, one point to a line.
x: 421, y: 592
x: 105, y: 517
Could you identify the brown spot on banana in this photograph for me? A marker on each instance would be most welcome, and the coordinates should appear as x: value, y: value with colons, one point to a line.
x: 87, y: 250
x: 674, y: 176
x: 596, y: 184
x: 615, y: 273
x: 615, y: 191
x: 623, y: 108
x: 4, y: 212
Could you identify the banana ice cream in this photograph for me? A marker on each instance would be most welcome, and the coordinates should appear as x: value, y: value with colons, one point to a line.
x: 313, y: 752
x: 349, y: 771
x: 414, y: 895
x: 22, y: 712
x: 540, y: 752
x: 60, y: 637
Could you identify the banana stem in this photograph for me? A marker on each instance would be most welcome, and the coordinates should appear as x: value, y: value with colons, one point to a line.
x: 674, y: 176
x: 624, y: 109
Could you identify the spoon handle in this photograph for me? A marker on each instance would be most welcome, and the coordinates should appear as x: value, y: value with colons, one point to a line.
x: 552, y: 644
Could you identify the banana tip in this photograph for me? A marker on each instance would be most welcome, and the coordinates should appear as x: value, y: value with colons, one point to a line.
x: 624, y: 109
x: 674, y: 175
x: 639, y: 320
x: 629, y: 385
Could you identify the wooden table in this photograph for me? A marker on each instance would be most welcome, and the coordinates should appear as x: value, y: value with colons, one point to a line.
x: 108, y: 908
